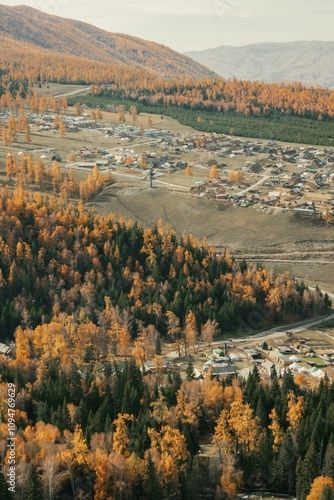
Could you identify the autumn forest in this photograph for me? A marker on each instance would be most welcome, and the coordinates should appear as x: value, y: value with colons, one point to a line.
x: 90, y: 304
x: 88, y: 299
x: 289, y: 112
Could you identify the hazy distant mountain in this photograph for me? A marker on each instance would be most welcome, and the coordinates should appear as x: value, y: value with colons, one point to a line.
x: 309, y: 62
x: 76, y: 38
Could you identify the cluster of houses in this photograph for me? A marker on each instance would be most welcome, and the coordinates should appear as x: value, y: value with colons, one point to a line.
x: 45, y: 122
x: 292, y: 172
x: 131, y: 132
x: 219, y: 364
x: 121, y: 157
x: 299, y: 357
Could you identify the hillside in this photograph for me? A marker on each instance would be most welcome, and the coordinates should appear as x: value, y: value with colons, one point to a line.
x: 307, y: 62
x: 93, y: 398
x: 67, y: 36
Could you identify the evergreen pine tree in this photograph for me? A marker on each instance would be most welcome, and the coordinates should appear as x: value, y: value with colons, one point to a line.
x: 327, y: 493
x: 65, y: 416
x: 284, y: 471
x: 4, y: 493
x: 262, y: 413
x: 33, y: 490
x: 158, y: 344
x: 265, y: 457
x: 81, y: 414
x: 108, y: 425
x: 317, y: 436
x: 93, y: 398
x: 307, y: 471
x: 328, y: 465
x: 191, y: 436
x: 303, y: 436
x: 288, y: 383
x: 198, y: 480
x: 76, y: 392
x: 152, y: 488
x: 275, y: 388
x: 189, y: 370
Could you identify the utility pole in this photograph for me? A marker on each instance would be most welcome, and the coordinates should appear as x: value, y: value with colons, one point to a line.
x: 151, y: 176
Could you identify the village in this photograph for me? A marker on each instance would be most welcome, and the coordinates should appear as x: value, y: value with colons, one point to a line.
x: 305, y: 351
x: 234, y: 171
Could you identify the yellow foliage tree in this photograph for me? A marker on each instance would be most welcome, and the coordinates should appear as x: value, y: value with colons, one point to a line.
x: 188, y: 411
x: 62, y: 128
x: 102, y: 471
x: 188, y: 170
x: 169, y: 442
x: 209, y: 331
x: 214, y: 172
x: 275, y: 429
x: 120, y: 435
x: 231, y: 478
x: 149, y: 121
x: 213, y: 400
x: 296, y: 410
x: 318, y: 485
x: 244, y: 425
x: 223, y: 438
x: 232, y: 177
x: 190, y: 330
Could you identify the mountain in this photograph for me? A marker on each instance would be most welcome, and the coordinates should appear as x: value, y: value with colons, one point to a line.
x: 308, y: 62
x: 67, y: 36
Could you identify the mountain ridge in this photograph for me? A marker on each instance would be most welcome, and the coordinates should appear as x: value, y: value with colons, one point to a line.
x: 71, y: 37
x: 310, y: 62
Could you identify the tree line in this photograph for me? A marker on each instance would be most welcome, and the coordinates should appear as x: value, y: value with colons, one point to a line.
x: 274, y: 127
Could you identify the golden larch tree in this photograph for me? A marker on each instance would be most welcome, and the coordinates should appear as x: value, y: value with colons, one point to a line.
x: 188, y: 170
x: 296, y: 409
x: 318, y: 485
x: 276, y: 429
x: 191, y: 331
x: 214, y: 172
x: 120, y: 435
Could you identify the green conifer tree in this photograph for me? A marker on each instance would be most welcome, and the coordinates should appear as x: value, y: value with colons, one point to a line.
x: 152, y: 488
x: 327, y: 493
x: 33, y: 490
x: 4, y: 493
x: 307, y: 470
x: 189, y: 370
x: 284, y: 471
x: 328, y: 465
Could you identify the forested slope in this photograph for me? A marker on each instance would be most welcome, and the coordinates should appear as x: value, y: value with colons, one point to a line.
x: 64, y: 259
x: 24, y: 25
x: 88, y: 299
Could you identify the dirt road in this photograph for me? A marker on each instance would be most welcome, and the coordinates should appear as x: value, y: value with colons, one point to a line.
x: 258, y: 183
x: 74, y: 92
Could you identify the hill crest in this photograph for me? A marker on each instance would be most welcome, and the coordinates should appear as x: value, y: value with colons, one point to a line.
x: 80, y: 39
x: 310, y: 62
